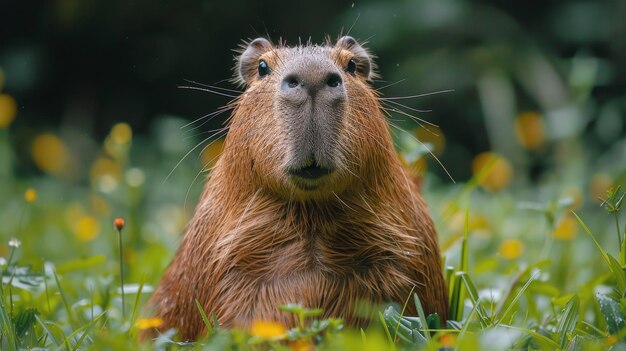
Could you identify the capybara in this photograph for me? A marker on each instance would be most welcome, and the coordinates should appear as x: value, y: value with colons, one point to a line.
x: 309, y: 202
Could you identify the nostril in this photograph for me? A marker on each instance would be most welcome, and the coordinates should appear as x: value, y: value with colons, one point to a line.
x: 292, y: 81
x: 333, y: 80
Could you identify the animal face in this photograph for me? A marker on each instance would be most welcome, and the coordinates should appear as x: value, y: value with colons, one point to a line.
x: 310, y: 121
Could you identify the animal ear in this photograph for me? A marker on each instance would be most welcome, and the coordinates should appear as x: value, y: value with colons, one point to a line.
x: 364, y: 62
x: 248, y: 61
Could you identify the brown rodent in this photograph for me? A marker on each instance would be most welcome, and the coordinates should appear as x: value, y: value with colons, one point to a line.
x: 308, y: 203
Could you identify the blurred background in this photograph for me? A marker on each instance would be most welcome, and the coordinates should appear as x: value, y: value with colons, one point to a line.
x: 92, y: 119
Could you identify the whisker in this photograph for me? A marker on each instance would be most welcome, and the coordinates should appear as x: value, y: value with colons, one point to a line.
x: 415, y: 118
x: 407, y: 107
x: 212, y: 86
x: 429, y: 151
x: 184, y: 157
x: 416, y: 96
x: 208, y: 117
x: 390, y: 85
x: 206, y: 90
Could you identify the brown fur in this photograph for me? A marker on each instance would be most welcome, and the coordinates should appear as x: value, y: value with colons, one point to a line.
x: 256, y: 241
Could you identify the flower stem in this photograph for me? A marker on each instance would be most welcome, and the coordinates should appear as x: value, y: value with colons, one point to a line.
x: 119, y: 241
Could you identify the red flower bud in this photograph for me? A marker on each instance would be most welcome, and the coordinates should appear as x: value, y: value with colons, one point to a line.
x: 119, y: 223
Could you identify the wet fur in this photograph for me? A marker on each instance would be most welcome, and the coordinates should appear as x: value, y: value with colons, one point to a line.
x: 256, y: 241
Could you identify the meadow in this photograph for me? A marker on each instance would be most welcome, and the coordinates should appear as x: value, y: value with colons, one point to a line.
x: 529, y: 266
x: 102, y: 160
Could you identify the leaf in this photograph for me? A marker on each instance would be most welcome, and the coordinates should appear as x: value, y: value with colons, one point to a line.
x: 24, y: 321
x: 612, y: 311
x: 568, y: 321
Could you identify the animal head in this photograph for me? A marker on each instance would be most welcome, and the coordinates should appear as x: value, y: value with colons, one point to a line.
x: 308, y: 124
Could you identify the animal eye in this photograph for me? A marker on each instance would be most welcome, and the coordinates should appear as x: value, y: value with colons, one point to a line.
x: 264, y: 69
x: 351, y: 66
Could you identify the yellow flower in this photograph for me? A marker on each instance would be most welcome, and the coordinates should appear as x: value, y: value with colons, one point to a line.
x: 565, y: 229
x: 511, y: 249
x: 87, y: 228
x: 211, y: 153
x: 611, y: 340
x: 149, y: 323
x: 448, y: 340
x: 30, y: 195
x: 529, y: 130
x: 8, y: 109
x: 301, y: 345
x: 121, y: 133
x: 50, y: 153
x: 492, y: 171
x: 267, y: 329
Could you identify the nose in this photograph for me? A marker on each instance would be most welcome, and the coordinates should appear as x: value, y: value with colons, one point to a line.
x: 311, y: 82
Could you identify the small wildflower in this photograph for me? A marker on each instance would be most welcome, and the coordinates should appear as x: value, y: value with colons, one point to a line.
x: 121, y: 133
x: 301, y: 345
x: 447, y: 340
x: 267, y: 329
x: 511, y: 249
x: 15, y: 243
x: 30, y: 195
x: 565, y: 229
x: 492, y: 171
x: 149, y: 323
x: 611, y: 340
x: 119, y: 223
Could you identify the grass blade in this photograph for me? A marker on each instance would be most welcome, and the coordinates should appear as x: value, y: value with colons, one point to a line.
x: 395, y: 334
x: 518, y: 296
x: 484, y: 319
x: 137, y: 297
x: 207, y: 323
x: 422, y: 315
x: 70, y: 315
x: 48, y: 331
x: 387, y: 333
x: 568, y: 321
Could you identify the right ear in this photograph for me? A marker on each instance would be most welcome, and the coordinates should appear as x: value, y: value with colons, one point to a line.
x: 248, y: 61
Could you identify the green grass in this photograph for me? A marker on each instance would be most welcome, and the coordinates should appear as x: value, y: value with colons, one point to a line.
x: 61, y: 285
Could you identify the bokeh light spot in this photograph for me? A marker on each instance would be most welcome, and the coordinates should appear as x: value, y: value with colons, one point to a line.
x: 492, y: 171
x: 211, y: 153
x: 87, y: 228
x: 565, y: 228
x: 529, y: 130
x: 511, y: 249
x: 50, y: 153
x: 8, y: 109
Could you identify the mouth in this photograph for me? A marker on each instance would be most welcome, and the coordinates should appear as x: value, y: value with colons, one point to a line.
x: 309, y: 177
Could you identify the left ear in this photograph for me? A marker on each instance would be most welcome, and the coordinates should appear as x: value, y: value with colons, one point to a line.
x: 364, y: 63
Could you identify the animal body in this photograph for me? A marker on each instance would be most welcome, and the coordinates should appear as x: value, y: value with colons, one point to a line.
x: 308, y: 203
